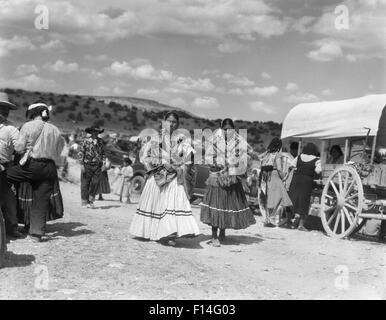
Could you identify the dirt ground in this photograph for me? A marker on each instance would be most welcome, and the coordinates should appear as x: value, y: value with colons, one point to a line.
x: 90, y: 255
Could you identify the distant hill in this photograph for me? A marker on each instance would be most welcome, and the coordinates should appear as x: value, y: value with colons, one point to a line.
x: 126, y: 116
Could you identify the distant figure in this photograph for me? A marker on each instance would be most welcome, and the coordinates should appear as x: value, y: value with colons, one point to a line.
x: 294, y: 149
x: 307, y: 164
x: 91, y: 157
x: 104, y: 183
x: 122, y: 184
x: 336, y: 155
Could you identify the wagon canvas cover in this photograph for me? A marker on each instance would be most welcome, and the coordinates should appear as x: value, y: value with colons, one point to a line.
x: 335, y: 119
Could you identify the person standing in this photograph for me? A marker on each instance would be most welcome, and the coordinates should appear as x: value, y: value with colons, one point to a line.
x: 307, y: 164
x: 271, y: 183
x: 41, y: 144
x: 225, y: 205
x: 8, y: 137
x: 104, y: 183
x: 121, y: 186
x: 164, y: 212
x: 91, y: 157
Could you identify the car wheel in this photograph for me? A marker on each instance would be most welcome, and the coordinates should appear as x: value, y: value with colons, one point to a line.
x: 137, y: 184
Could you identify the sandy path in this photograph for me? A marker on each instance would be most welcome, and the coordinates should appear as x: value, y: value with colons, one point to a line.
x: 92, y: 256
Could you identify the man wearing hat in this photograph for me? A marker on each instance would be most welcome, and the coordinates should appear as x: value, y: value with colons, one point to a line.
x: 91, y: 158
x: 8, y: 137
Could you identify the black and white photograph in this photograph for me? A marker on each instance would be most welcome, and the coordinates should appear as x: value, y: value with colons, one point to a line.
x: 192, y: 150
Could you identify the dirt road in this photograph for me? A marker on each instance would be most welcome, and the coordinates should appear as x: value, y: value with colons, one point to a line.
x: 91, y: 256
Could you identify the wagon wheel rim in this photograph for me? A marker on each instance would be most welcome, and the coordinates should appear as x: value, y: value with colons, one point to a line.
x: 342, y: 202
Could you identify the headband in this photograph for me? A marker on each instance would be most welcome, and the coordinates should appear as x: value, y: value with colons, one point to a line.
x: 35, y: 105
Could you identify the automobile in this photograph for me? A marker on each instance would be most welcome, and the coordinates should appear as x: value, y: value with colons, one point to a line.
x: 116, y: 154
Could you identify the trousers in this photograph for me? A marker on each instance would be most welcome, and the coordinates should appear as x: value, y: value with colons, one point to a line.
x: 41, y: 174
x: 89, y: 182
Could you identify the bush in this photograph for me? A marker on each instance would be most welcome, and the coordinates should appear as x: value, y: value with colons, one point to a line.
x: 79, y: 117
x: 99, y: 123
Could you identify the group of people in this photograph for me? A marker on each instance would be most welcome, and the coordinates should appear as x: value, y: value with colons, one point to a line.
x: 28, y: 171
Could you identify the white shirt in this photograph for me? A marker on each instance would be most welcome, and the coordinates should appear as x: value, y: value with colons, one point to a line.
x: 8, y: 137
x: 44, y: 138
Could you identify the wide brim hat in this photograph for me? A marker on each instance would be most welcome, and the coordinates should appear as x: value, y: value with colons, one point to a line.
x: 4, y: 101
x: 94, y: 129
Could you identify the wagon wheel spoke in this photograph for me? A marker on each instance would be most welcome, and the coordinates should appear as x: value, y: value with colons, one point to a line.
x: 346, y: 212
x: 350, y: 188
x: 340, y: 182
x: 329, y: 197
x: 336, y: 222
x: 332, y: 216
x: 343, y: 223
x: 352, y: 197
x: 346, y: 179
x: 350, y: 206
x: 333, y: 186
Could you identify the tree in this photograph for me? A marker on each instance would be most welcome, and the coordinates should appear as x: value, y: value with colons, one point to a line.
x: 79, y: 117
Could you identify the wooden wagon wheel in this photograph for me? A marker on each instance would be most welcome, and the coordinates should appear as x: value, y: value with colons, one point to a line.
x: 342, y: 202
x: 3, y: 245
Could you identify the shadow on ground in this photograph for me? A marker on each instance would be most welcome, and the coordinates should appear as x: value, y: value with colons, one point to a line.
x: 12, y: 260
x: 67, y: 229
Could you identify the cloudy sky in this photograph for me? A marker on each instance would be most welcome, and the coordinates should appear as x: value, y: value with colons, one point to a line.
x: 246, y: 59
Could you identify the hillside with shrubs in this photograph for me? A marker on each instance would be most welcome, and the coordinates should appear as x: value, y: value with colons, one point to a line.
x: 125, y: 116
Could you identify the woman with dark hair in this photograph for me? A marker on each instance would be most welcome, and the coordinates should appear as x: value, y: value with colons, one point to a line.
x: 225, y: 205
x: 164, y: 212
x: 336, y: 155
x: 273, y: 194
x: 306, y: 165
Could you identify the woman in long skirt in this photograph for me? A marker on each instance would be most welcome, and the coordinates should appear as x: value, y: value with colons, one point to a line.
x: 273, y: 191
x: 164, y: 212
x: 225, y: 205
x: 104, y: 183
x: 307, y: 165
x: 24, y: 202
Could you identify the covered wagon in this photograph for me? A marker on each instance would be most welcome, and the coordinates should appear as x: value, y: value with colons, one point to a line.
x: 355, y: 189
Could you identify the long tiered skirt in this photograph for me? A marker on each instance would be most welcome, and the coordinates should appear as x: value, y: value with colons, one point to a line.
x: 25, y: 198
x: 226, y: 207
x: 104, y: 184
x: 163, y: 212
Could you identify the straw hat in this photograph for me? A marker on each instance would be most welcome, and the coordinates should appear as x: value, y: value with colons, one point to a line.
x: 4, y: 101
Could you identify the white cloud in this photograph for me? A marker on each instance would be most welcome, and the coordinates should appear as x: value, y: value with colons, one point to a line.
x: 62, y: 67
x: 263, y: 92
x: 188, y: 84
x: 237, y: 80
x: 148, y: 92
x: 327, y: 50
x: 28, y: 82
x: 16, y: 43
x: 101, y: 57
x: 231, y: 46
x: 242, y: 19
x: 366, y: 34
x: 236, y: 92
x: 260, y: 106
x: 52, y: 45
x: 143, y: 71
x: 327, y: 92
x: 24, y: 69
x: 178, y: 102
x: 266, y: 75
x: 291, y: 86
x: 301, y: 97
x: 205, y: 103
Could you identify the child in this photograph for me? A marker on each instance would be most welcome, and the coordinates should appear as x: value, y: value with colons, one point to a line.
x: 122, y: 183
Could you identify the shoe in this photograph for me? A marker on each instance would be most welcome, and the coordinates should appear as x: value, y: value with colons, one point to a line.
x: 215, y: 243
x: 88, y: 205
x: 35, y: 238
x: 128, y: 202
x: 302, y: 228
x: 269, y: 225
x: 91, y: 205
x: 14, y: 233
x: 101, y: 198
x: 171, y: 243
